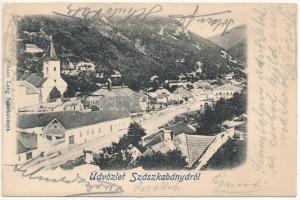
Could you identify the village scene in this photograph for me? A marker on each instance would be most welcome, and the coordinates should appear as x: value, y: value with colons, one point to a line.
x: 73, y: 110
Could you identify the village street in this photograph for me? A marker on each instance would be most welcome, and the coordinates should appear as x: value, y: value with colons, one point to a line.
x: 151, y: 125
x: 162, y: 117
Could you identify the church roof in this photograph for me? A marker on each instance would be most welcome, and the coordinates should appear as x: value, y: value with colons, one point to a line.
x: 51, y: 54
x: 35, y: 79
x: 70, y: 119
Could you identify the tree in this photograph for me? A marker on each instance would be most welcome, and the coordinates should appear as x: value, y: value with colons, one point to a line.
x: 70, y: 92
x: 210, y: 121
x: 133, y: 137
x: 171, y: 160
x: 116, y: 156
x: 54, y: 94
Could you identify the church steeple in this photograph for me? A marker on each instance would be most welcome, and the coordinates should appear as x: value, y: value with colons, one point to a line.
x: 51, y: 68
x: 52, y: 54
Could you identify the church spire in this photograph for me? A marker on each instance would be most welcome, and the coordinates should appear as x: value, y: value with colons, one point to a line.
x: 52, y: 54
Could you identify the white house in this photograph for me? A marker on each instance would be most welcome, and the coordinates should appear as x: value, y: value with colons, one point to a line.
x: 27, y: 93
x: 65, y: 129
x: 225, y: 91
x: 32, y: 48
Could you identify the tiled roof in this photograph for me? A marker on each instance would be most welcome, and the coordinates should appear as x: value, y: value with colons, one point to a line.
x: 242, y: 127
x: 179, y: 128
x: 196, y: 145
x: 115, y: 91
x: 154, y: 139
x: 30, y: 89
x: 184, y: 92
x: 26, y: 142
x: 227, y: 87
x: 70, y: 119
x: 129, y: 103
x: 35, y: 79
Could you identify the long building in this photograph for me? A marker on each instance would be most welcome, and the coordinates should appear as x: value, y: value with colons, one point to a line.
x: 46, y: 132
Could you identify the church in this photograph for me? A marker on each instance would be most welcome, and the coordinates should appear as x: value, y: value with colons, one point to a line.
x: 41, y: 84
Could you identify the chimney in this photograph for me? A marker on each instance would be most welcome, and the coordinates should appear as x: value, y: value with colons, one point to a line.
x: 109, y: 83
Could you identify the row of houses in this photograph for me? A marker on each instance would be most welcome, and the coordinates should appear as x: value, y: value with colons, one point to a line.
x: 200, y: 91
x: 183, y: 137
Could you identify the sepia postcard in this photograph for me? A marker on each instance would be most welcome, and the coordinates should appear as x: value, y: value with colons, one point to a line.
x: 149, y: 99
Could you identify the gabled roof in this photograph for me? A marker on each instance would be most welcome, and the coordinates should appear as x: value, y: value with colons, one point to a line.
x: 179, y: 128
x: 184, y: 92
x: 69, y: 119
x: 196, y: 146
x: 35, y: 79
x: 227, y: 87
x: 26, y: 142
x: 30, y: 89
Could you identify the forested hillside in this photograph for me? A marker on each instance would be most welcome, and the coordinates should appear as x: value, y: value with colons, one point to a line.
x: 137, y: 49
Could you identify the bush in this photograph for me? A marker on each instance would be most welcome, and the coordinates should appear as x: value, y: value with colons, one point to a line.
x: 171, y: 160
x: 73, y: 163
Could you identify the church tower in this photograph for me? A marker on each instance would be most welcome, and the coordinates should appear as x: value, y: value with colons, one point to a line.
x: 51, y: 67
x: 51, y: 71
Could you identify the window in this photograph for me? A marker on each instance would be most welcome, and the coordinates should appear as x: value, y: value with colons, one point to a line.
x: 54, y: 69
x: 99, y: 130
x: 28, y: 155
x: 46, y: 70
x: 19, y: 158
x: 71, y: 139
x: 54, y: 80
x: 49, y: 137
x: 111, y: 127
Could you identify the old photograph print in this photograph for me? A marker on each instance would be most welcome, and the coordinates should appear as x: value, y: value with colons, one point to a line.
x: 130, y: 91
x: 158, y: 99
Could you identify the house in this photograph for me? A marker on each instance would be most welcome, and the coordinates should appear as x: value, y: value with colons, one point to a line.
x: 85, y: 66
x: 28, y: 94
x: 118, y: 97
x: 225, y: 91
x: 65, y: 129
x: 50, y: 78
x: 241, y: 131
x: 32, y: 48
x: 116, y: 74
x: 181, y: 127
x: 160, y: 96
x: 191, y: 146
x: 185, y: 94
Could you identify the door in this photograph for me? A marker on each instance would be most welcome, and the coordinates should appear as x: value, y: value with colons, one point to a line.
x: 71, y: 139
